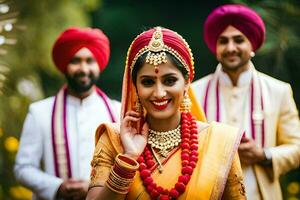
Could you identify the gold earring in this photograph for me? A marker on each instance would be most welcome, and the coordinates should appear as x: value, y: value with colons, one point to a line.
x: 186, y: 103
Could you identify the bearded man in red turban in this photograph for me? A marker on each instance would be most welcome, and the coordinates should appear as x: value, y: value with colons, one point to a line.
x: 260, y: 105
x: 58, y: 132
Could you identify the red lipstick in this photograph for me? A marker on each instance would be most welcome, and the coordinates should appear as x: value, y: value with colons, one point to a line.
x: 160, y: 104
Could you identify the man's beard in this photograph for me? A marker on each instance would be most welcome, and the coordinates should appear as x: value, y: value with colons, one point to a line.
x: 78, y: 86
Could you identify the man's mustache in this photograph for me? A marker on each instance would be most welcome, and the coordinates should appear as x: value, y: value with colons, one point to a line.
x: 231, y: 54
x: 80, y: 75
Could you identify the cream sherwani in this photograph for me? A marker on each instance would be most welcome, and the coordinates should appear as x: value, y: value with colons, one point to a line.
x: 282, y: 127
x: 34, y: 166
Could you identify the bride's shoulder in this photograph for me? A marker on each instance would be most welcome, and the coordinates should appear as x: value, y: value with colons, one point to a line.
x: 109, y: 129
x: 202, y: 126
x: 219, y: 129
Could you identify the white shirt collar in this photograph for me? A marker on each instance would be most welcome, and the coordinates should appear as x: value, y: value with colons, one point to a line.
x: 83, y: 102
x: 244, y: 78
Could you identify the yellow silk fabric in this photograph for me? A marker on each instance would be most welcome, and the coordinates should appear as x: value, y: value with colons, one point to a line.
x: 196, y: 108
x: 217, y: 161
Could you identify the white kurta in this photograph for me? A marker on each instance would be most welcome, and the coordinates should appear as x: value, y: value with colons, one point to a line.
x: 34, y: 166
x: 282, y: 129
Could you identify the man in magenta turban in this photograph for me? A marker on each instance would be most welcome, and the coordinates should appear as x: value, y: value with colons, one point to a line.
x: 57, y: 139
x: 261, y: 106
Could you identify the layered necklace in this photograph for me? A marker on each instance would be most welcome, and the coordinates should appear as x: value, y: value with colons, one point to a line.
x: 163, y: 141
x: 189, y: 156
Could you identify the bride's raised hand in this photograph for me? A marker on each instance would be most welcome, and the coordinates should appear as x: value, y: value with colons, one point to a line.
x: 133, y: 141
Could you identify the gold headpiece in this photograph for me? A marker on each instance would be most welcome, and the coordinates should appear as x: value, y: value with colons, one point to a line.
x: 157, y: 52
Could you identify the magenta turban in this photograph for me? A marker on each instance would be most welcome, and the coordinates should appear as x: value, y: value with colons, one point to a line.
x: 239, y: 16
x: 73, y: 39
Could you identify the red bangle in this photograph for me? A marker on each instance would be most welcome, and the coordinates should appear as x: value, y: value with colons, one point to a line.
x: 122, y: 174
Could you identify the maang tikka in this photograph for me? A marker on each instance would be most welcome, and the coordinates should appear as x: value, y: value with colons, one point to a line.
x: 157, y: 52
x: 156, y: 55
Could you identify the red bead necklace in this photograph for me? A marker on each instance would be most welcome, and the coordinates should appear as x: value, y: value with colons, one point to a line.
x: 189, y: 158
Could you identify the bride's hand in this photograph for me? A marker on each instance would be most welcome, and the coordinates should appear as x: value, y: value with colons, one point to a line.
x: 133, y: 142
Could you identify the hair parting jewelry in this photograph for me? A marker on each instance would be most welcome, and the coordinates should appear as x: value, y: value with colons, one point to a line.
x: 157, y: 52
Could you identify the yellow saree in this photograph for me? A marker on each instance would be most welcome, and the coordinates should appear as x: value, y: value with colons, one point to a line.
x: 217, y: 175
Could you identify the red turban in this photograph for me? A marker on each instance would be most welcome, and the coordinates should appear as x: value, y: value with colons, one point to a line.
x: 73, y: 39
x: 239, y: 16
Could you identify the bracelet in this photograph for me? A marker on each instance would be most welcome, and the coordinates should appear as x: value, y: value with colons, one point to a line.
x: 126, y: 162
x: 122, y: 174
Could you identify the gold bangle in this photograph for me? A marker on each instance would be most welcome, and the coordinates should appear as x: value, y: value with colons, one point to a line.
x: 116, y: 181
x: 116, y: 176
x: 114, y: 190
x: 117, y: 185
x: 125, y: 164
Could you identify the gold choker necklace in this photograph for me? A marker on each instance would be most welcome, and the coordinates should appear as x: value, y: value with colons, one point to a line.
x: 163, y: 141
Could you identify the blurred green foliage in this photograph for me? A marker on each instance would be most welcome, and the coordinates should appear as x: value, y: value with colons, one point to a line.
x: 30, y: 74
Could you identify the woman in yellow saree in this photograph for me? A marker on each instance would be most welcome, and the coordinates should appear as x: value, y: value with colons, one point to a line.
x: 160, y: 151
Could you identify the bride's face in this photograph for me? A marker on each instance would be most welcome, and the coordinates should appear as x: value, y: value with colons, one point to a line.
x: 161, y: 93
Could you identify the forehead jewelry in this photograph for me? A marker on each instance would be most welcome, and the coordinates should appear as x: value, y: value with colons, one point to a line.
x: 156, y: 55
x: 156, y: 52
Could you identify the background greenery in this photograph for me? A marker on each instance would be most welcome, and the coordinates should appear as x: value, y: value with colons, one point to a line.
x: 27, y: 73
